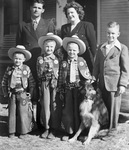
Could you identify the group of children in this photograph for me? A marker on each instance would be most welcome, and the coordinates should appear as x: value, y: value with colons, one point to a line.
x: 60, y: 81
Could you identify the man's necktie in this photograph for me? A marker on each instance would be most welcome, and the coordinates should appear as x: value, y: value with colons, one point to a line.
x: 35, y: 24
x: 72, y: 72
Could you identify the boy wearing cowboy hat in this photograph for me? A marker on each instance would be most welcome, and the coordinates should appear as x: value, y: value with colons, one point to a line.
x: 73, y: 72
x: 47, y: 71
x: 18, y: 85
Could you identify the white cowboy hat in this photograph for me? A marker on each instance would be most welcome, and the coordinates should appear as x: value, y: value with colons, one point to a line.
x: 19, y: 49
x: 50, y: 36
x: 75, y: 39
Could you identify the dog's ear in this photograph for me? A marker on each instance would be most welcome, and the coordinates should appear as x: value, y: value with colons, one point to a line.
x: 98, y: 92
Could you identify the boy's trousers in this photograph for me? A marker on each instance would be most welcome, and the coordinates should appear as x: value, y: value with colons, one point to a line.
x: 113, y: 104
x: 50, y: 106
x: 20, y: 114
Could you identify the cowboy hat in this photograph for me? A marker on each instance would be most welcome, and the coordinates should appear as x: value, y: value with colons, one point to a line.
x: 19, y: 49
x: 75, y: 39
x: 50, y: 36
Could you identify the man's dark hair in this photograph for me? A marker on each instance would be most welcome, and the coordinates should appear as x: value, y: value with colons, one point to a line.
x: 37, y: 1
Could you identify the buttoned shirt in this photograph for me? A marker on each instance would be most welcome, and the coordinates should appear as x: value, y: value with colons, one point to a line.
x: 61, y: 79
x: 16, y: 77
x: 6, y: 81
x: 73, y: 69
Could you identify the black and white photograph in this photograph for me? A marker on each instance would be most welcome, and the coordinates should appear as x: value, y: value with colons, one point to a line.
x: 64, y: 74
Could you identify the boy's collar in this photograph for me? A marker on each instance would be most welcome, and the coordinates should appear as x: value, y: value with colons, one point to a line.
x: 20, y: 67
x: 74, y: 59
x: 116, y: 44
x: 52, y: 56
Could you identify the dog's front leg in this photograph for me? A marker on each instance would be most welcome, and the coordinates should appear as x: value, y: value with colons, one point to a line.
x: 74, y: 138
x: 92, y: 132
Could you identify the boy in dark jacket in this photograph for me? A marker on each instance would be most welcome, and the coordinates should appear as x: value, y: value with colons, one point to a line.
x: 74, y: 72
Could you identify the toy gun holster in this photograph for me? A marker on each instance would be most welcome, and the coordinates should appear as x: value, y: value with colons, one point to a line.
x: 23, y: 97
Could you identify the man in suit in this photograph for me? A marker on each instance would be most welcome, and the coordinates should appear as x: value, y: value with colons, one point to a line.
x: 28, y: 34
x: 112, y: 69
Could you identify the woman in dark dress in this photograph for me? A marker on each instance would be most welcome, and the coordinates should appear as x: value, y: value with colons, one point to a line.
x: 84, y: 30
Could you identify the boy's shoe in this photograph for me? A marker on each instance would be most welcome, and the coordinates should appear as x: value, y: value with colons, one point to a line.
x: 12, y: 135
x: 51, y: 135
x: 65, y: 138
x: 22, y: 136
x: 45, y: 134
x: 112, y: 132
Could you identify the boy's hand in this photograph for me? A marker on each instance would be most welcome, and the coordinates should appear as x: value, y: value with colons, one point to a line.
x: 120, y: 90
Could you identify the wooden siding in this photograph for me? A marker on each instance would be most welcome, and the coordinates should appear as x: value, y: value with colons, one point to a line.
x: 115, y: 10
x: 50, y: 9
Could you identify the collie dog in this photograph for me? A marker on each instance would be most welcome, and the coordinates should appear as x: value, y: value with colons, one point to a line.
x: 93, y: 113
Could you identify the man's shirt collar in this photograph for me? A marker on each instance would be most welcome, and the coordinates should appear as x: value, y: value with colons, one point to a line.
x: 37, y: 20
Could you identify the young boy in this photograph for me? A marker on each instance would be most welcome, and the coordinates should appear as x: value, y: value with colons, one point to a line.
x: 28, y: 34
x: 47, y: 71
x: 18, y: 85
x: 111, y: 71
x: 73, y: 74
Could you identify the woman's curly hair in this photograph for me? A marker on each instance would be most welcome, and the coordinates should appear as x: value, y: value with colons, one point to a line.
x: 77, y: 7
